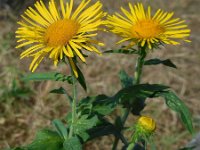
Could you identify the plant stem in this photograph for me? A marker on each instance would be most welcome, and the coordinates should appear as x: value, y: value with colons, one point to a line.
x: 123, y: 120
x: 137, y: 77
x: 74, y: 116
x: 139, y: 65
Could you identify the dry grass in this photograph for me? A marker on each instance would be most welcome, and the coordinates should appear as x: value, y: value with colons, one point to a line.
x: 20, y: 118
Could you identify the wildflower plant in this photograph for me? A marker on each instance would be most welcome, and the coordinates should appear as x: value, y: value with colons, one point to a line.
x: 64, y: 35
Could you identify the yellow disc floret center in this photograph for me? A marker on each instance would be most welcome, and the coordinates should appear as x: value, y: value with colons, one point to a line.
x: 147, y: 29
x: 60, y: 32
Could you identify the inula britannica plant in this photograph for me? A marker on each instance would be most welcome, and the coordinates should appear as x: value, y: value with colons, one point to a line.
x: 64, y: 34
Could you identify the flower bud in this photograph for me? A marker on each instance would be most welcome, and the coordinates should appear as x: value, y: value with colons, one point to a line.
x: 146, y: 124
x: 144, y: 129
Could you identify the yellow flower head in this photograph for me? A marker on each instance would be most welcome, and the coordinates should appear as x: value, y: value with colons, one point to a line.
x: 56, y: 33
x: 142, y: 28
x: 147, y: 124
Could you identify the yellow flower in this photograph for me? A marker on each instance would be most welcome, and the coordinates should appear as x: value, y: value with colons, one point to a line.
x: 146, y: 124
x: 55, y: 33
x: 142, y: 28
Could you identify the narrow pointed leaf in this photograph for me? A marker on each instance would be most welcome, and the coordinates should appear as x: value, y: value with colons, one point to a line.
x: 175, y: 103
x: 122, y: 51
x: 125, y: 79
x: 81, y: 79
x: 156, y: 61
x: 60, y: 128
x: 61, y: 90
x: 47, y: 76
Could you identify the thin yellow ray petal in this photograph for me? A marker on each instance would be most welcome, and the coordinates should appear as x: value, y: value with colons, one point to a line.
x: 187, y: 41
x: 30, y: 50
x: 38, y: 62
x: 82, y: 5
x: 178, y: 31
x: 53, y: 10
x: 34, y: 61
x: 66, y: 52
x: 24, y: 44
x: 70, y: 51
x: 177, y: 27
x: 91, y: 12
x: 123, y: 40
x: 135, y: 18
x: 149, y: 12
x: 31, y: 13
x: 69, y: 7
x: 53, y: 52
x: 143, y: 42
x: 43, y: 10
x: 62, y: 8
x: 156, y: 14
x: 76, y: 47
x: 169, y: 16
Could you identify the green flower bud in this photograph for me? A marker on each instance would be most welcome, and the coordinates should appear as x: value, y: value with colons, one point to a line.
x: 143, y: 130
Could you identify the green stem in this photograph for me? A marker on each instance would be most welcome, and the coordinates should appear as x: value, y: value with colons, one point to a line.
x: 74, y: 115
x: 139, y: 65
x: 123, y: 120
x: 137, y: 77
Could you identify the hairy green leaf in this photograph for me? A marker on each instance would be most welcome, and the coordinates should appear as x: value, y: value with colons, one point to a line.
x: 106, y: 128
x: 60, y: 128
x: 72, y: 144
x: 83, y: 124
x: 47, y: 76
x: 46, y: 140
x: 103, y: 109
x: 175, y: 103
x: 61, y: 90
x: 157, y: 61
x: 122, y: 51
x: 81, y: 78
x: 125, y: 79
x: 93, y: 104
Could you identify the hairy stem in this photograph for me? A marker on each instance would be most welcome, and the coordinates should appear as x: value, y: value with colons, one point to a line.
x: 123, y: 120
x: 139, y: 65
x: 74, y: 115
x: 137, y: 78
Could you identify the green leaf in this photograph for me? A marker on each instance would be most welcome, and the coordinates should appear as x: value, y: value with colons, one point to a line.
x: 61, y: 90
x: 188, y: 148
x: 84, y: 135
x: 178, y: 106
x: 125, y: 79
x: 139, y: 91
x: 93, y: 104
x: 122, y: 51
x: 60, y: 128
x: 103, y: 109
x: 46, y: 140
x: 156, y: 61
x: 83, y: 124
x: 81, y: 78
x: 72, y: 144
x: 47, y: 76
x: 106, y: 128
x: 134, y: 96
x: 17, y: 148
